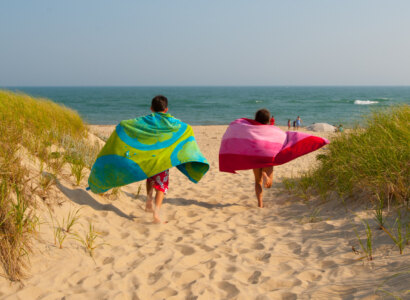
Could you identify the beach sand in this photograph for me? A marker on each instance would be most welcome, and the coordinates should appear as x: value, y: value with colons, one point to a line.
x: 217, y: 243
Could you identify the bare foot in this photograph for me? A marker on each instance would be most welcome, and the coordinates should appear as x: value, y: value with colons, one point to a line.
x: 158, y: 221
x: 267, y: 180
x: 157, y: 217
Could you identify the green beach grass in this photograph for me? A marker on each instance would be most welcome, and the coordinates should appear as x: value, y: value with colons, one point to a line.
x: 374, y: 159
x: 32, y: 126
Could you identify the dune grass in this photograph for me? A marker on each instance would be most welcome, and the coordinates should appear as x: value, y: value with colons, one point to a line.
x: 89, y: 240
x: 34, y: 126
x: 370, y: 163
x: 368, y: 249
x: 374, y: 159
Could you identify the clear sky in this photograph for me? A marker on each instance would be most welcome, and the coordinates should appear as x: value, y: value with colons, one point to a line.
x: 204, y: 42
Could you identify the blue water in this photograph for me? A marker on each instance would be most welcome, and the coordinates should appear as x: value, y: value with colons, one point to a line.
x: 221, y: 105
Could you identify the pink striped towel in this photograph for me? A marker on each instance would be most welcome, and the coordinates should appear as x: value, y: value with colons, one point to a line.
x: 248, y: 144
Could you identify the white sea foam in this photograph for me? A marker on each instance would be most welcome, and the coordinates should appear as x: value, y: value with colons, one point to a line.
x: 365, y: 102
x: 258, y: 101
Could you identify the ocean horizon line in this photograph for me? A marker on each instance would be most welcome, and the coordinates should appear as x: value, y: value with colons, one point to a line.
x: 194, y: 86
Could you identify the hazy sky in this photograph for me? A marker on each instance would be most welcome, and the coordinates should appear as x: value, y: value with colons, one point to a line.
x: 209, y: 42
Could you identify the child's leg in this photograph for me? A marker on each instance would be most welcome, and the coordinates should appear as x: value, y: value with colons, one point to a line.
x: 159, y: 196
x: 267, y: 174
x: 258, y: 186
x: 150, y: 189
x: 158, y: 182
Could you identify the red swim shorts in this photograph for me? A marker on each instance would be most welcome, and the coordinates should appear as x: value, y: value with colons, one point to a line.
x: 160, y: 181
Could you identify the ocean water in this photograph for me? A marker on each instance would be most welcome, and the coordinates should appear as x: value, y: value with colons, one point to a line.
x: 221, y: 105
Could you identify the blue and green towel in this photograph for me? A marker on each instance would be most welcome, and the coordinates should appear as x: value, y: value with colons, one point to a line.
x: 143, y: 147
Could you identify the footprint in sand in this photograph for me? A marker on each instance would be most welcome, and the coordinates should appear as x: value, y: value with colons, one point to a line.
x: 294, y: 247
x: 210, y: 264
x: 326, y: 264
x: 243, y: 250
x: 186, y: 250
x: 254, y: 278
x: 206, y: 248
x: 124, y: 235
x: 186, y: 277
x: 135, y: 282
x: 231, y: 269
x: 154, y: 277
x: 265, y: 257
x: 273, y: 283
x: 212, y: 226
x: 310, y: 276
x: 108, y: 260
x: 191, y: 214
x: 251, y: 231
x: 142, y: 230
x: 165, y: 293
x: 258, y: 246
x: 230, y: 289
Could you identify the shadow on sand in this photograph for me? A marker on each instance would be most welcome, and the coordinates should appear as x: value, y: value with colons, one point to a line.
x: 182, y: 201
x: 186, y: 202
x: 81, y: 197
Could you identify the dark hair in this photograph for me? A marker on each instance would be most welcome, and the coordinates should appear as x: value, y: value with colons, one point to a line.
x: 159, y: 103
x: 262, y: 116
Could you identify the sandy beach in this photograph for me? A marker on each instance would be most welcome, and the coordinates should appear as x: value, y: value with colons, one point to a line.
x: 217, y: 243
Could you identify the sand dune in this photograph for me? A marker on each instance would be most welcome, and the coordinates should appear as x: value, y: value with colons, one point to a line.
x: 216, y: 245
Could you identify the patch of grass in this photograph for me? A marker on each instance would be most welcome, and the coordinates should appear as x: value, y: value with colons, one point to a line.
x: 17, y: 224
x: 59, y: 236
x: 77, y: 171
x: 89, y: 240
x: 374, y: 159
x: 314, y: 216
x: 378, y: 213
x: 41, y: 121
x: 368, y: 249
x: 62, y: 230
x: 289, y: 184
x: 56, y: 162
x: 80, y: 151
x: 46, y: 181
x: 71, y: 220
x: 35, y: 126
x: 400, y: 238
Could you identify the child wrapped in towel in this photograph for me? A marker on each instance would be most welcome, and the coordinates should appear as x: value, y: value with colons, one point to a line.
x: 146, y: 148
x: 255, y: 144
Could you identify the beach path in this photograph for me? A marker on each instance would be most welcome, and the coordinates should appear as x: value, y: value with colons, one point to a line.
x: 217, y: 243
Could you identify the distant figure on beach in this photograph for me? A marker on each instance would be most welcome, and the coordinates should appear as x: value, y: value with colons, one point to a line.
x: 288, y: 124
x: 272, y: 121
x: 340, y: 128
x: 294, y: 125
x: 298, y: 122
x: 146, y: 148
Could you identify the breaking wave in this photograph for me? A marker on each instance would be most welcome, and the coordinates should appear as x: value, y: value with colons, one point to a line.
x: 365, y: 102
